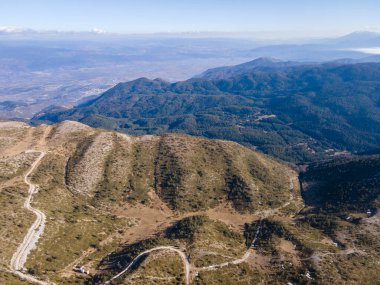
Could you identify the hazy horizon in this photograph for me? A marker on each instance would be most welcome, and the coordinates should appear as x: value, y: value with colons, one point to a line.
x: 60, y: 52
x: 269, y: 19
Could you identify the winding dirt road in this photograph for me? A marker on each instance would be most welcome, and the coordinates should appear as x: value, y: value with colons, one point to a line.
x: 245, y: 257
x: 186, y: 262
x: 35, y: 231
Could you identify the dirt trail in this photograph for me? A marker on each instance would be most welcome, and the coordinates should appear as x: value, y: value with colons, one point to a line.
x: 185, y: 260
x: 35, y: 231
x: 262, y: 214
x: 245, y: 257
x: 183, y: 256
x: 29, y: 141
x: 21, y: 145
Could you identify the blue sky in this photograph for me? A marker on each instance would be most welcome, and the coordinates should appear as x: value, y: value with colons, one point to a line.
x: 313, y: 17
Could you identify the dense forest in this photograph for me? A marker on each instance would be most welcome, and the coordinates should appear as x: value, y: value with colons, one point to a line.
x: 347, y: 184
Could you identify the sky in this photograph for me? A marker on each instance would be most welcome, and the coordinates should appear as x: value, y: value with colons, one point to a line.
x: 287, y: 17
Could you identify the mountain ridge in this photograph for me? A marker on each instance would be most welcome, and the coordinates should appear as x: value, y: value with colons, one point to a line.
x: 294, y: 113
x: 229, y: 214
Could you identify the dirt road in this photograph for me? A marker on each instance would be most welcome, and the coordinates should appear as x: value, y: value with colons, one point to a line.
x: 185, y: 261
x: 35, y: 231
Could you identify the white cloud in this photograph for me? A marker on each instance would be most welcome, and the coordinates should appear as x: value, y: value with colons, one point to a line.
x: 375, y: 50
x: 9, y: 30
x: 98, y: 31
x: 13, y: 30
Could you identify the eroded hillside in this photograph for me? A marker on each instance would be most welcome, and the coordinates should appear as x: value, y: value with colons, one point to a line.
x: 177, y: 209
x: 186, y: 173
x: 101, y: 189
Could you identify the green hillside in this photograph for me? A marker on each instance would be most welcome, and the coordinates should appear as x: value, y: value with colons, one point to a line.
x: 187, y: 173
x: 294, y: 112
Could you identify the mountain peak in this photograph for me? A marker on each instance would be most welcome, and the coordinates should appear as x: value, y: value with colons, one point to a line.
x: 360, y: 39
x: 262, y: 63
x: 266, y: 59
x: 363, y: 34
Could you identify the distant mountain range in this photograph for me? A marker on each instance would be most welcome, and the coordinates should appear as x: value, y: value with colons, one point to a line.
x: 79, y: 64
x: 359, y: 39
x: 297, y: 112
x: 268, y: 64
x: 349, y: 46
